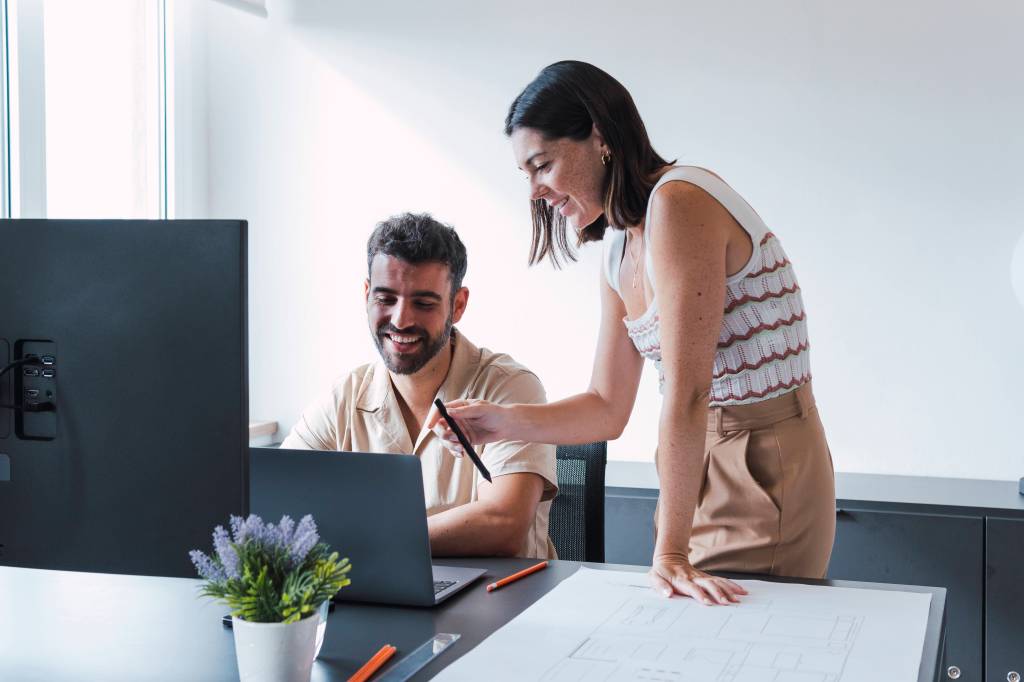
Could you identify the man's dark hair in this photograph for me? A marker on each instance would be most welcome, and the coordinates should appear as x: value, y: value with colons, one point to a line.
x: 566, y: 100
x: 418, y: 238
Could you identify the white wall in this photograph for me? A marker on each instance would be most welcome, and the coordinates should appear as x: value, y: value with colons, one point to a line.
x: 882, y: 141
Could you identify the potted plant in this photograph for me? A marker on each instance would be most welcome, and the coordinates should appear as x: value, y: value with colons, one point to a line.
x: 274, y: 578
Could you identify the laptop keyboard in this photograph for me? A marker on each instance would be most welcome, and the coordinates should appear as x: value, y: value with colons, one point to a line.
x: 442, y: 585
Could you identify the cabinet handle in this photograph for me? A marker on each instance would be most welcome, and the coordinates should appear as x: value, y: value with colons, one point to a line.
x: 953, y: 672
x: 1013, y: 676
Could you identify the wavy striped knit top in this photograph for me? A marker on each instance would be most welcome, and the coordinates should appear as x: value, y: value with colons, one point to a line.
x: 762, y: 346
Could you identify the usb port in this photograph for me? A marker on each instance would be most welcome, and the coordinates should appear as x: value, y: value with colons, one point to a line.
x: 31, y: 372
x: 49, y: 373
x: 48, y: 359
x: 31, y: 392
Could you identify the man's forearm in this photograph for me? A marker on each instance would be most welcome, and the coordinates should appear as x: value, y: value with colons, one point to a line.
x: 475, y: 529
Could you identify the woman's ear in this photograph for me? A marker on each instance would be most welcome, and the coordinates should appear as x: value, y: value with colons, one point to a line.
x: 598, y: 139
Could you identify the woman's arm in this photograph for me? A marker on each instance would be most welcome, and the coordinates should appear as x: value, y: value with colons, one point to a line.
x: 689, y: 236
x: 602, y: 411
x: 599, y: 413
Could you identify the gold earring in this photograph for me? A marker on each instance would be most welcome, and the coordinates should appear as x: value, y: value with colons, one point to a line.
x: 606, y: 158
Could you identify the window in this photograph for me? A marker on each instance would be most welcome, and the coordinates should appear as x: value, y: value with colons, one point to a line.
x: 5, y: 147
x: 87, y: 99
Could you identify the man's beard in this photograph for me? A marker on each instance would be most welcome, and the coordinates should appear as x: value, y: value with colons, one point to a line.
x: 410, y: 363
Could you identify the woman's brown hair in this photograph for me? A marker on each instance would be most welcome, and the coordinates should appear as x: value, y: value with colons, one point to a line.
x: 567, y: 99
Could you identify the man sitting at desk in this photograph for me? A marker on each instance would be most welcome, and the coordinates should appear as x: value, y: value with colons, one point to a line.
x: 414, y: 295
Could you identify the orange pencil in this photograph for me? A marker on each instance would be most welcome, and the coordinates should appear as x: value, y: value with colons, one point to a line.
x: 374, y: 664
x: 516, y: 576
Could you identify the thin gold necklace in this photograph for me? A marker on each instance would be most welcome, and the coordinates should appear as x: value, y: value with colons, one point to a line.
x: 636, y: 262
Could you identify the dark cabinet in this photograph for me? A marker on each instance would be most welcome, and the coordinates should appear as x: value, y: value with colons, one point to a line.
x: 1004, y: 599
x: 921, y: 549
x: 629, y: 525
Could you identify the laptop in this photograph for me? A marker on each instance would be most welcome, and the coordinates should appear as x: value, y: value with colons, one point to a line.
x: 367, y: 507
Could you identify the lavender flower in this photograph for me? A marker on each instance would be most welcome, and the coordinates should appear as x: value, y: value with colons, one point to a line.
x: 208, y: 568
x: 250, y: 528
x: 226, y: 553
x: 305, y: 539
x: 236, y: 526
x: 277, y: 537
x: 286, y: 530
x: 296, y: 541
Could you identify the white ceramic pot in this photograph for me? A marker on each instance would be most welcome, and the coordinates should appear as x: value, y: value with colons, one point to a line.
x: 275, y: 652
x: 322, y: 614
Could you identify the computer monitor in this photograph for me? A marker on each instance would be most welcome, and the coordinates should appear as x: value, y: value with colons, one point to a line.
x: 125, y: 436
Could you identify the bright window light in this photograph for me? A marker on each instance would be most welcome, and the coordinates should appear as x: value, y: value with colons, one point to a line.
x: 103, y: 108
x: 5, y: 118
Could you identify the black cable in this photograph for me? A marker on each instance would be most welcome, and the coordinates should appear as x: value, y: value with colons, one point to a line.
x: 40, y: 406
x: 31, y: 360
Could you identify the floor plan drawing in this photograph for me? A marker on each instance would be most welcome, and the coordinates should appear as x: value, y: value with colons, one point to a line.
x: 609, y: 626
x: 651, y: 638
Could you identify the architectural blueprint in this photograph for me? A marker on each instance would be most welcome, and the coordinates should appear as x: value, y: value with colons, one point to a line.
x: 609, y: 626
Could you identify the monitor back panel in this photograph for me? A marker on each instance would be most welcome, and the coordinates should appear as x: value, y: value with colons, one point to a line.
x: 148, y: 448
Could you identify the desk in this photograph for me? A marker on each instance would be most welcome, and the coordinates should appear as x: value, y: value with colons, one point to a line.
x: 57, y: 625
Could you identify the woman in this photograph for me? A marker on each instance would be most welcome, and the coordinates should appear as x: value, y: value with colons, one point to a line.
x: 694, y: 281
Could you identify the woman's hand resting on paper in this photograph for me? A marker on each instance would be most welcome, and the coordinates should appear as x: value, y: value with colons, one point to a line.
x: 672, y: 574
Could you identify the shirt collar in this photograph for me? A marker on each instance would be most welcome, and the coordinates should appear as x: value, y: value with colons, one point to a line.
x: 378, y: 392
x: 463, y: 370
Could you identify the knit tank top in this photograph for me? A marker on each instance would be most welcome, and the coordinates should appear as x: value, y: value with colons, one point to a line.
x: 762, y: 346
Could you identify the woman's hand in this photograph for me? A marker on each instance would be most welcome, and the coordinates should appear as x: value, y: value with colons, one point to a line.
x: 480, y: 421
x: 673, y: 574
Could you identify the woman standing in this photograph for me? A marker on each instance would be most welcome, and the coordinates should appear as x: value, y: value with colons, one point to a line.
x: 694, y: 281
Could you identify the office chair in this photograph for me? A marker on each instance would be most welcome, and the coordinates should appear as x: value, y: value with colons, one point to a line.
x: 576, y: 522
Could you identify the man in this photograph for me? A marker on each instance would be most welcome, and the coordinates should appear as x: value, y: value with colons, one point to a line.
x: 414, y: 295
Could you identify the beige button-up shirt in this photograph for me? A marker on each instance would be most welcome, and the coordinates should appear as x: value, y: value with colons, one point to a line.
x: 361, y: 414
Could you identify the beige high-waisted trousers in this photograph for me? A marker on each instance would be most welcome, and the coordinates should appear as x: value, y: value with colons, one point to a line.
x: 767, y: 504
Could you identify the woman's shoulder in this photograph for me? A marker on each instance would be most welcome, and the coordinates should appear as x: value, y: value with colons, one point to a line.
x: 686, y: 188
x: 694, y: 190
x: 683, y: 179
x: 691, y: 200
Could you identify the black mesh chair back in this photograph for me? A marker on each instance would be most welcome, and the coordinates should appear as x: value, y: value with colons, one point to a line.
x: 576, y: 523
